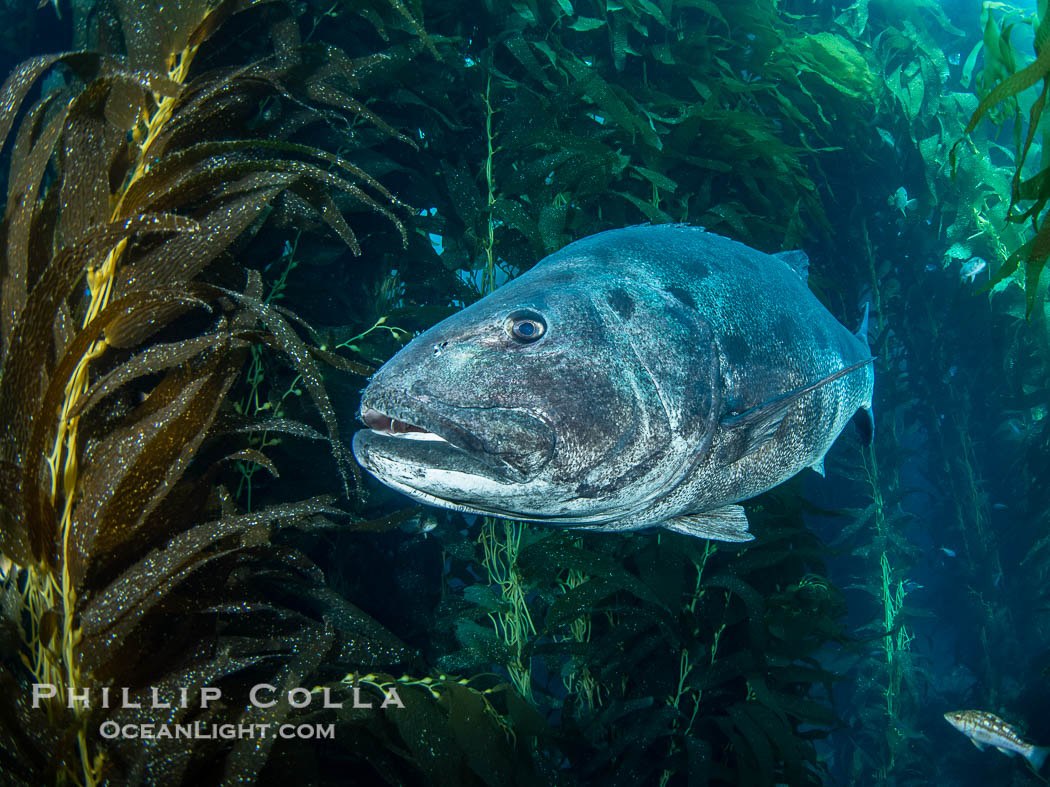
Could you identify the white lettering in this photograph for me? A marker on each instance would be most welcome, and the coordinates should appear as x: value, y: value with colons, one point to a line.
x: 392, y: 698
x: 157, y: 701
x: 81, y: 697
x: 209, y: 693
x: 357, y: 699
x: 43, y: 691
x: 253, y: 696
x: 326, y: 692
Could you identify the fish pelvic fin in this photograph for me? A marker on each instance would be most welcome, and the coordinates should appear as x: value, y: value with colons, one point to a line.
x: 1036, y: 756
x: 757, y: 426
x: 818, y: 466
x: 978, y: 744
x: 728, y: 523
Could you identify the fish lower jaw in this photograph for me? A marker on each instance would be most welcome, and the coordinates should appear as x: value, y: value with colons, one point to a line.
x: 412, y: 435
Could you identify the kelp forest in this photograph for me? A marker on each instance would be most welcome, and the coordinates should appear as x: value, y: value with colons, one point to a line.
x: 221, y: 216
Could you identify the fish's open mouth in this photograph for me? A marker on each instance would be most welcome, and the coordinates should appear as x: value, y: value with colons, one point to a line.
x: 408, y: 438
x: 504, y: 445
x: 387, y: 425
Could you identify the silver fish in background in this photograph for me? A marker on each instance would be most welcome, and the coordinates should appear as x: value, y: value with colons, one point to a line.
x: 987, y: 729
x: 643, y: 377
x: 971, y: 268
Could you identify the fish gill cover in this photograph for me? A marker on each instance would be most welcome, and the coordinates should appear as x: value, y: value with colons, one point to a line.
x: 220, y: 217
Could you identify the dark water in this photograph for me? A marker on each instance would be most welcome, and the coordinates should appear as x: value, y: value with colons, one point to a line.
x: 907, y: 583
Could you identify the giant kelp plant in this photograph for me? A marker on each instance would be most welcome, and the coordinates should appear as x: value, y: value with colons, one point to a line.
x: 137, y: 179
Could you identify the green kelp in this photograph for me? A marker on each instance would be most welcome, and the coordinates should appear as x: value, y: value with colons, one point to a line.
x: 137, y: 180
x: 594, y: 115
x: 667, y: 658
x: 1029, y: 193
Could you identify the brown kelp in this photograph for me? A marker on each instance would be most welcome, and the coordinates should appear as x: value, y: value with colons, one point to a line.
x: 135, y: 180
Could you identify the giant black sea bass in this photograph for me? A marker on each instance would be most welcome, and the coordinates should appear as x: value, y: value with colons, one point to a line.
x: 645, y: 377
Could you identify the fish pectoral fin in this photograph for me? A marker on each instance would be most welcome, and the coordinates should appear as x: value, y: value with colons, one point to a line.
x: 865, y: 423
x: 1007, y: 752
x: 978, y: 744
x: 757, y: 426
x: 728, y: 523
x: 818, y: 466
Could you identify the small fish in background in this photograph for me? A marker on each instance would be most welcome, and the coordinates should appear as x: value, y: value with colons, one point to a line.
x: 947, y: 551
x: 419, y: 525
x: 899, y: 200
x: 887, y: 137
x: 984, y: 729
x: 1014, y: 427
x: 971, y: 268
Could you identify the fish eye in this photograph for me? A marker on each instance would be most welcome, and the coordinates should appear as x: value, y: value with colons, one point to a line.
x: 526, y: 326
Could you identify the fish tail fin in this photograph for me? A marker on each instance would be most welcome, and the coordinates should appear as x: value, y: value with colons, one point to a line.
x: 1037, y: 756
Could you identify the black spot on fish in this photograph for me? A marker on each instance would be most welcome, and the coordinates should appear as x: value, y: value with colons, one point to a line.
x: 735, y: 347
x: 586, y: 490
x: 621, y: 303
x: 683, y: 295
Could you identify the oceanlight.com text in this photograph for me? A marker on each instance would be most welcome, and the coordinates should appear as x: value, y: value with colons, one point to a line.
x: 199, y: 730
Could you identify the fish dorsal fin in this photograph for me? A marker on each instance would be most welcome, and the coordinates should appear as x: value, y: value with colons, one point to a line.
x: 797, y: 260
x: 757, y: 426
x: 728, y: 523
x: 862, y: 331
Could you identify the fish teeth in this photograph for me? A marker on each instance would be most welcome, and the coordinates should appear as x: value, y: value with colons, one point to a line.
x: 392, y: 425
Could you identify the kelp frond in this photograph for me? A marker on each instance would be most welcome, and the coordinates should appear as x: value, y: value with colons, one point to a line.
x: 1036, y: 189
x: 126, y: 186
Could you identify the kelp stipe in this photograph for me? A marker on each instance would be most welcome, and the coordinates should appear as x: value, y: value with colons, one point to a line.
x: 126, y: 186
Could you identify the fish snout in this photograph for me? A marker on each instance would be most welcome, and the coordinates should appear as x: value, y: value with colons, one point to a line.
x: 514, y: 442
